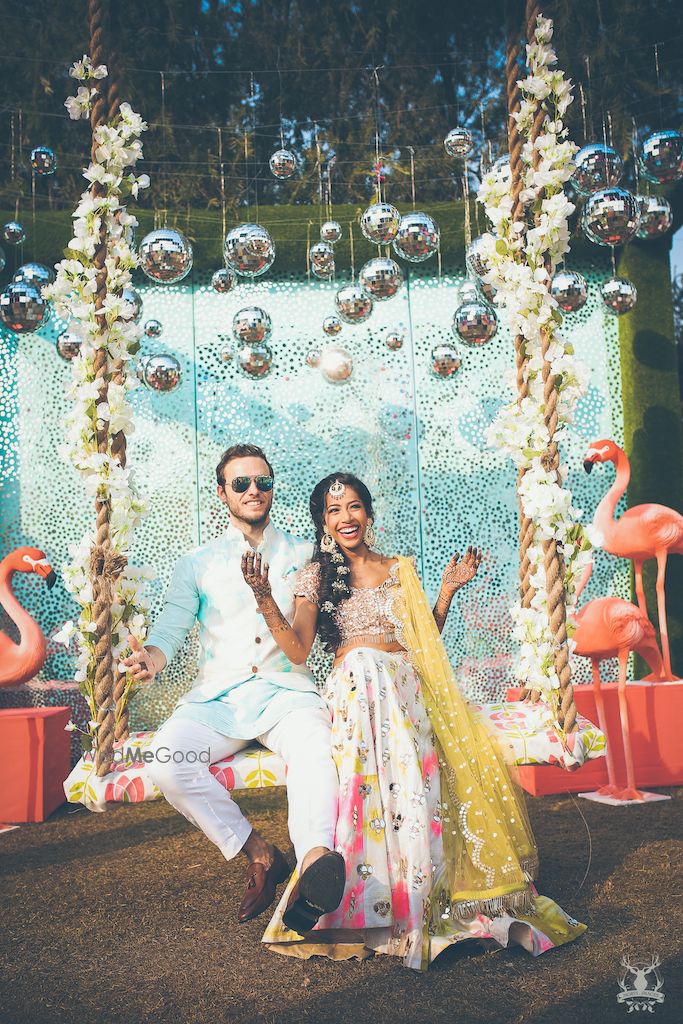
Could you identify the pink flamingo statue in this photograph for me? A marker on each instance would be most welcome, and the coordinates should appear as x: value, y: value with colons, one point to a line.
x: 610, y: 627
x: 644, y: 531
x: 20, y: 662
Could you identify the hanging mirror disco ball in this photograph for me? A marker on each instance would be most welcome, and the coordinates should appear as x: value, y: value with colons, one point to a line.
x: 321, y: 255
x: 313, y: 357
x: 656, y: 216
x: 165, y: 255
x: 467, y: 292
x: 135, y: 300
x: 255, y: 361
x: 34, y: 273
x: 43, y: 160
x: 13, y: 232
x: 153, y: 328
x: 227, y: 353
x: 252, y: 325
x: 22, y: 307
x: 336, y: 364
x: 445, y: 361
x: 395, y: 338
x: 324, y: 273
x: 476, y: 260
x: 223, y: 280
x: 417, y: 238
x: 458, y: 142
x: 353, y: 305
x: 379, y: 223
x: 487, y: 290
x: 162, y: 372
x: 475, y: 323
x: 330, y: 231
x: 661, y: 157
x: 380, y: 278
x: 332, y: 326
x: 611, y: 217
x: 68, y: 345
x: 597, y: 167
x: 569, y: 289
x: 249, y: 250
x: 619, y: 295
x: 282, y: 163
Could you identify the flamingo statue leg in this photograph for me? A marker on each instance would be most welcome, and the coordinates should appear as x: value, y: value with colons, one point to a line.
x: 661, y: 612
x: 611, y: 789
x: 630, y: 792
x: 640, y: 589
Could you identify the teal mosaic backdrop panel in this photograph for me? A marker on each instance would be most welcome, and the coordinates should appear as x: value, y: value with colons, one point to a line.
x: 416, y: 440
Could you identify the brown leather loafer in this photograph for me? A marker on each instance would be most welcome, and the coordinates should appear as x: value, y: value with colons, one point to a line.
x: 319, y: 891
x: 259, y: 891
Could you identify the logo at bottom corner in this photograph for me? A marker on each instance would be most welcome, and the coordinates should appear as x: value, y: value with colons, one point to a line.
x: 641, y: 983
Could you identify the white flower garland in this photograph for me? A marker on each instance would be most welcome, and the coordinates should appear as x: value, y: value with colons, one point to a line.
x: 111, y: 328
x: 521, y: 265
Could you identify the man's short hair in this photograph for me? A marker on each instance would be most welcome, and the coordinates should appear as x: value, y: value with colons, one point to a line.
x: 241, y: 451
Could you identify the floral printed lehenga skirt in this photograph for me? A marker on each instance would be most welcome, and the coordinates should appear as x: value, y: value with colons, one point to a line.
x: 389, y: 832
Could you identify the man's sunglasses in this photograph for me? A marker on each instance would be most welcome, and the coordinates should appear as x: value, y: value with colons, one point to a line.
x: 241, y: 483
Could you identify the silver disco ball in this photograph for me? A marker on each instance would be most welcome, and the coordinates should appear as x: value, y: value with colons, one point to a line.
x: 475, y: 258
x: 13, y: 232
x: 321, y: 255
x: 43, y: 160
x: 135, y: 300
x: 22, y: 307
x: 255, y: 360
x: 417, y: 238
x: 165, y: 255
x: 611, y: 217
x: 313, y: 357
x: 325, y: 272
x: 336, y: 364
x: 458, y: 142
x: 223, y: 280
x: 487, y: 290
x: 475, y: 323
x: 380, y: 278
x: 619, y: 295
x: 655, y: 216
x: 468, y: 292
x: 597, y: 167
x: 330, y: 231
x: 661, y: 157
x: 153, y: 328
x: 3, y: 261
x: 252, y: 325
x: 162, y: 372
x: 395, y: 338
x: 34, y: 273
x: 68, y: 345
x: 282, y: 163
x: 380, y: 222
x: 332, y: 326
x: 353, y: 305
x: 569, y: 289
x: 227, y: 353
x: 445, y: 361
x: 249, y: 250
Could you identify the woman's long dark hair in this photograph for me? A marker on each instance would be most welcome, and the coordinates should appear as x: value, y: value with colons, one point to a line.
x: 334, y: 585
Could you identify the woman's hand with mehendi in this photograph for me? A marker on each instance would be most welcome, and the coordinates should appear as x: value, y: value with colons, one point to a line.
x: 460, y: 571
x: 255, y: 572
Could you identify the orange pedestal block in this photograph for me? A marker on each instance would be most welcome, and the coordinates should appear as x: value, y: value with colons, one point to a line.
x: 34, y: 761
x: 655, y: 712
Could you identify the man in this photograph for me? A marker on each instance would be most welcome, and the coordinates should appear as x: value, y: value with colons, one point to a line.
x: 246, y: 689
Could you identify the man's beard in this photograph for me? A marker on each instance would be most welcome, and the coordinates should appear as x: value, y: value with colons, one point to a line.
x: 238, y: 514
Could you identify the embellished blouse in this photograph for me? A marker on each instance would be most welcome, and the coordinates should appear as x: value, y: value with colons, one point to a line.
x: 367, y: 614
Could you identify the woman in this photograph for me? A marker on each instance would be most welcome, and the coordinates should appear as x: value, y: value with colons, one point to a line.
x: 435, y: 837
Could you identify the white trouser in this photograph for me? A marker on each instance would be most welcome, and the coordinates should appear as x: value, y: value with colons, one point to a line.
x: 301, y: 738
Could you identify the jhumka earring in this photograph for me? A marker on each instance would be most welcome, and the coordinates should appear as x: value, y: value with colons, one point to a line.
x: 327, y: 543
x: 369, y: 537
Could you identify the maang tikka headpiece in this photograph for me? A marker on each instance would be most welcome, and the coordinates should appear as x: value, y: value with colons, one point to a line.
x: 336, y: 489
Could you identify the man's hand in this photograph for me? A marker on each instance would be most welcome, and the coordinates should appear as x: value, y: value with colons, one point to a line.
x: 140, y: 664
x: 255, y: 573
x: 460, y: 571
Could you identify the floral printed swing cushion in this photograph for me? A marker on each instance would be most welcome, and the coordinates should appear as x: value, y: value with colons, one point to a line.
x: 526, y: 732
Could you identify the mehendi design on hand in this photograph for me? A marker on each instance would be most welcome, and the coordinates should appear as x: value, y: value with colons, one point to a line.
x: 255, y: 573
x: 457, y: 573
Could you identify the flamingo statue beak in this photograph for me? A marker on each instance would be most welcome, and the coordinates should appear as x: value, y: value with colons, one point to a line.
x: 51, y: 579
x: 588, y: 465
x: 45, y: 571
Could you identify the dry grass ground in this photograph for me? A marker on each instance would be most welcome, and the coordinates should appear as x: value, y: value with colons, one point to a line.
x: 130, y: 916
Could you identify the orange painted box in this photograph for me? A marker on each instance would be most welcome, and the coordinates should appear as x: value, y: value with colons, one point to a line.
x: 655, y: 712
x: 34, y: 761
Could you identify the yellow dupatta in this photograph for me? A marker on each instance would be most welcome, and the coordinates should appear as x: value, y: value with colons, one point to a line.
x: 489, y: 847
